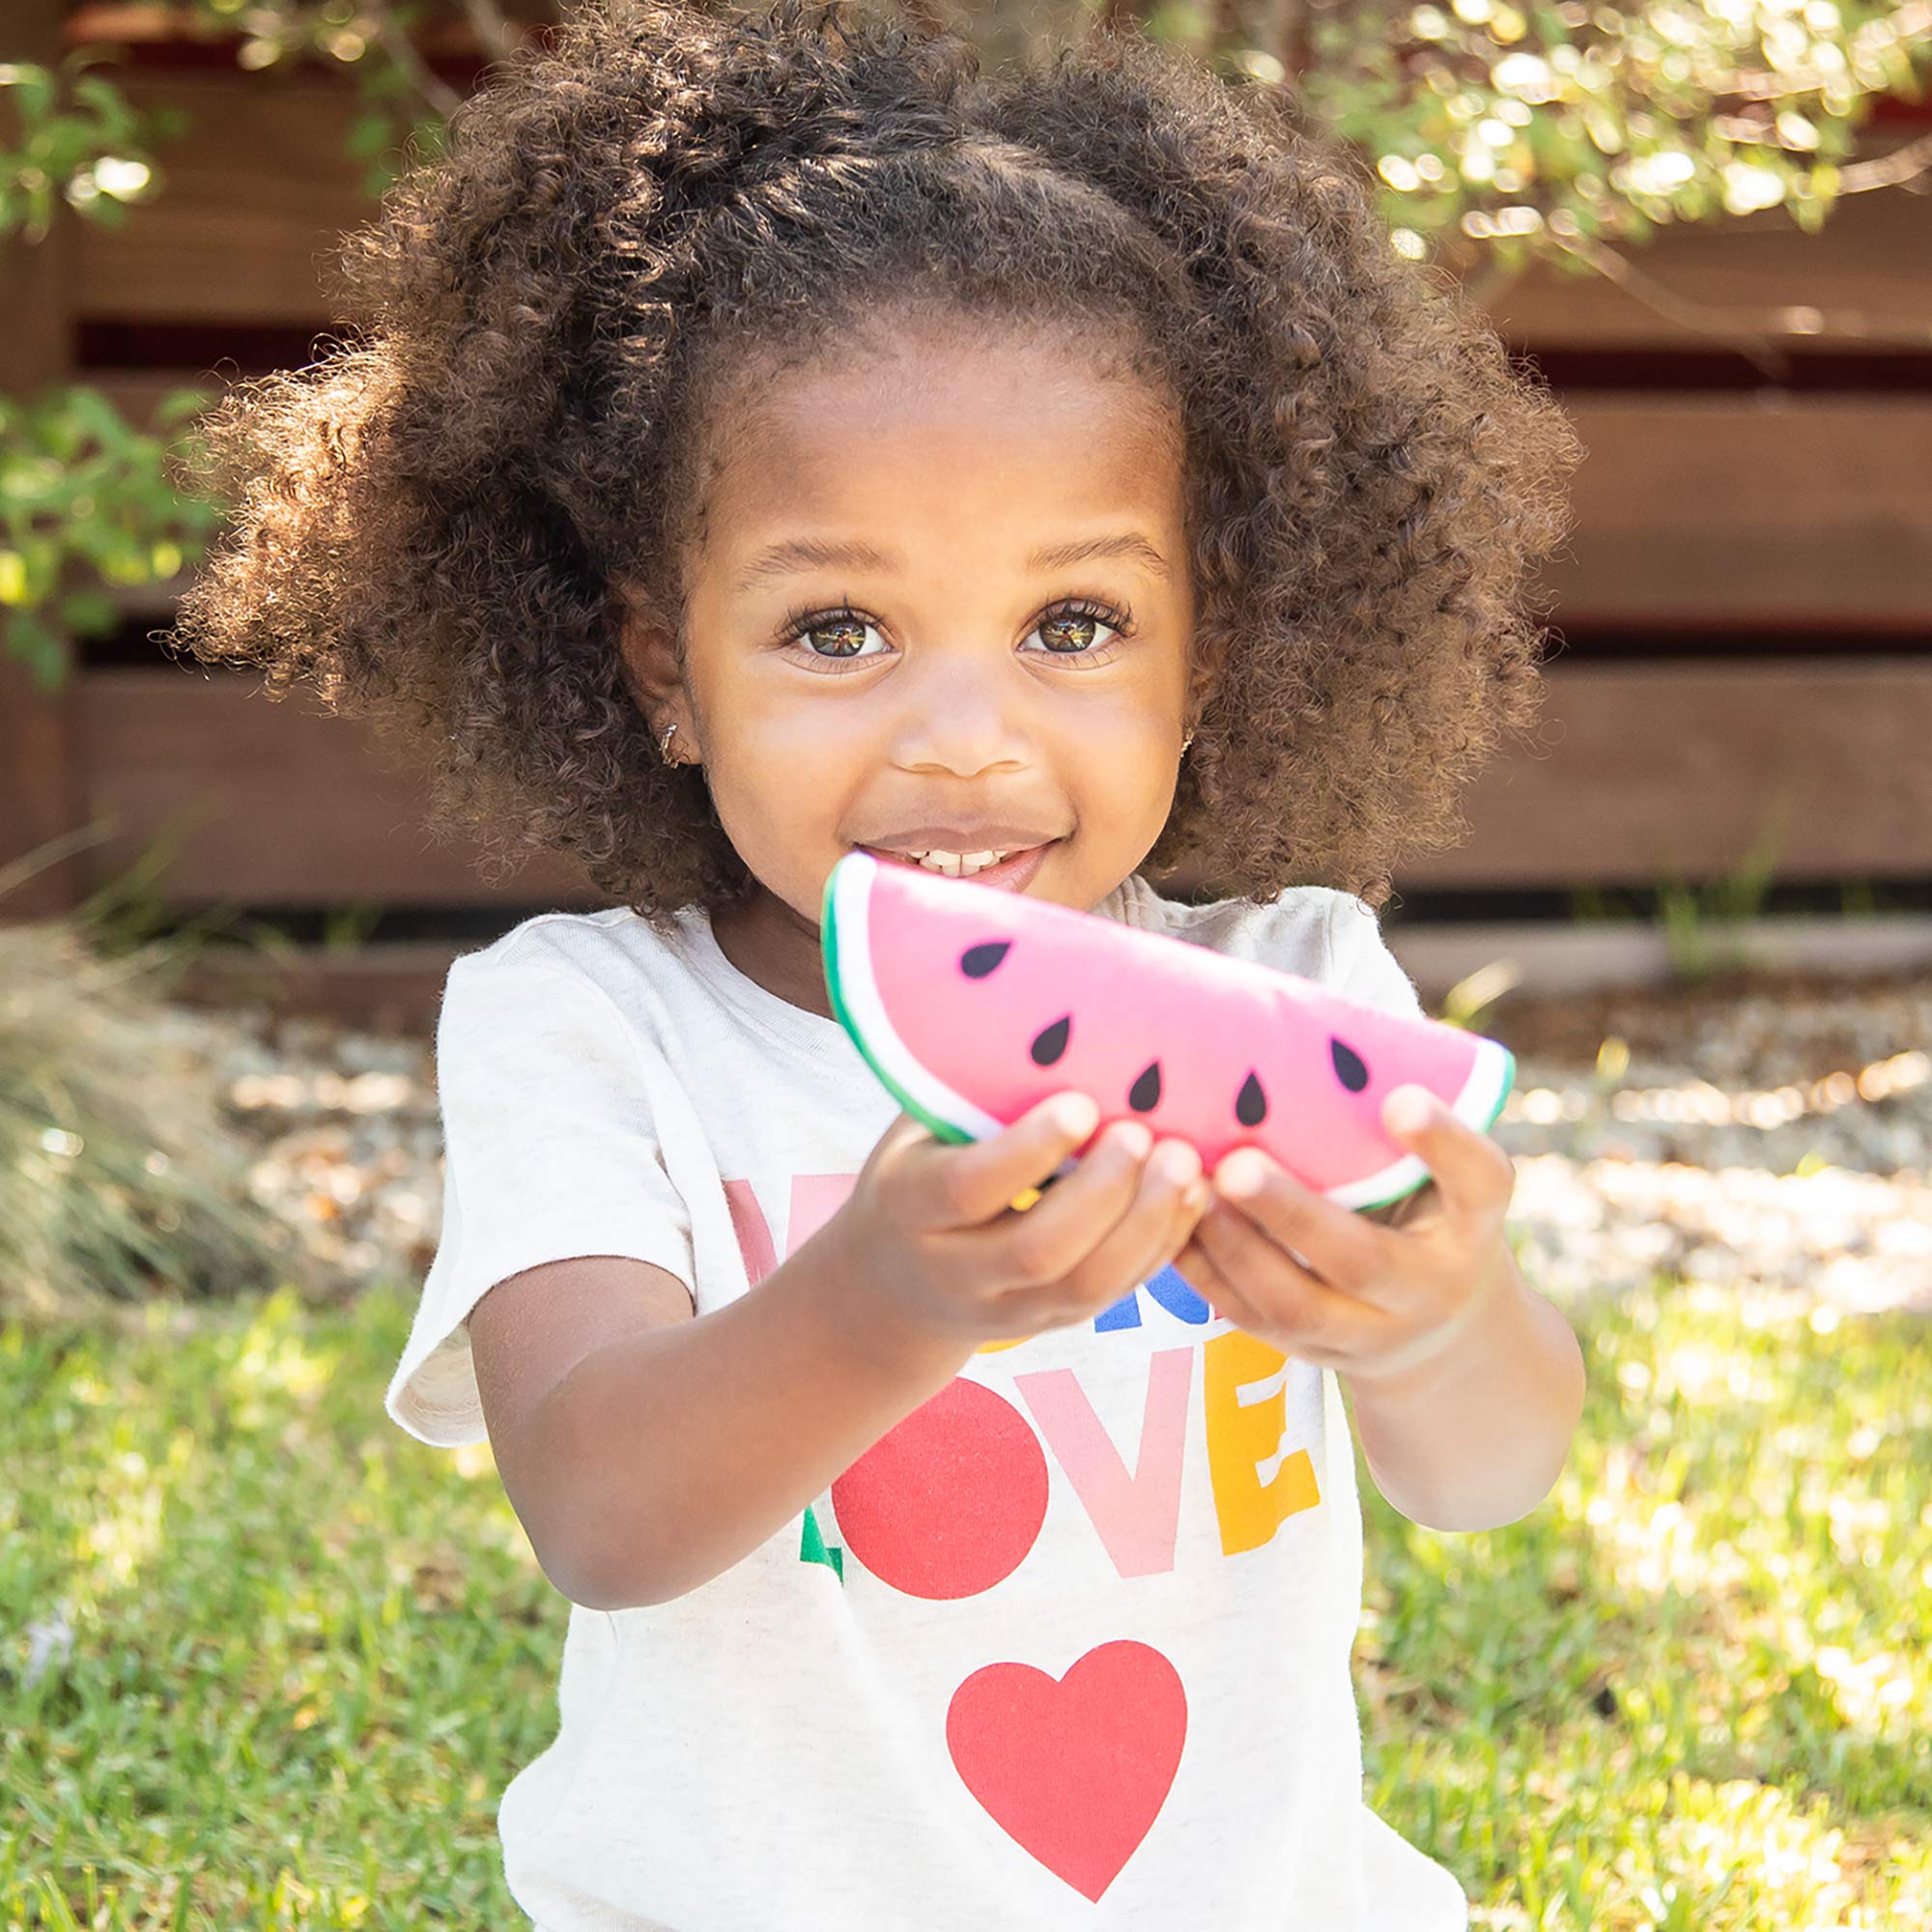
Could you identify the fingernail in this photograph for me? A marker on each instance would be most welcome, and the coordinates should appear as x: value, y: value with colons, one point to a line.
x: 1179, y: 1165
x: 1076, y: 1115
x: 1407, y: 1110
x: 1239, y: 1177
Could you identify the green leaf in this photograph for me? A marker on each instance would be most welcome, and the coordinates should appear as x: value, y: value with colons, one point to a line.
x: 368, y: 136
x: 88, y: 613
x: 92, y: 412
x: 42, y: 650
x: 33, y: 88
x: 115, y: 118
x: 180, y: 406
x: 39, y: 568
x: 103, y: 209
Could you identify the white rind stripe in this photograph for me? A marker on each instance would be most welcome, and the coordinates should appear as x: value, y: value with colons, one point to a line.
x: 851, y: 898
x: 1478, y: 1101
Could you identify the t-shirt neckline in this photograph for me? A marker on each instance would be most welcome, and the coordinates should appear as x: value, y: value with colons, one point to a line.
x: 821, y: 1040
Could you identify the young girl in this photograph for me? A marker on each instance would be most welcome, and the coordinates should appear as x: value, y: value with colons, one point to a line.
x: 768, y: 437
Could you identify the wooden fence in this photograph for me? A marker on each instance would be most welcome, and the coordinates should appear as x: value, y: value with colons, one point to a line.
x: 1744, y: 608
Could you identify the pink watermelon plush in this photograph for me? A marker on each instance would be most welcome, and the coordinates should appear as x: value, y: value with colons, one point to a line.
x: 972, y: 1004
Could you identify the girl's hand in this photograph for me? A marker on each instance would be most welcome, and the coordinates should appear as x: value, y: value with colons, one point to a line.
x: 1328, y: 1285
x: 940, y: 1254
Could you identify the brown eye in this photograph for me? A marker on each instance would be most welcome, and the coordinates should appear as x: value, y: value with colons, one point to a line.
x: 848, y: 632
x: 1067, y: 630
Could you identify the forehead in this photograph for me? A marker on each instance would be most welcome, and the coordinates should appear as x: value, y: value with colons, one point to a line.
x: 964, y: 421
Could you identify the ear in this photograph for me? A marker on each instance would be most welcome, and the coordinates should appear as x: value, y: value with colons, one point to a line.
x: 651, y: 670
x: 1204, y: 678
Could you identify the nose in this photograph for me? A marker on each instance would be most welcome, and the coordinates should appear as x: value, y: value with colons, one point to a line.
x: 957, y: 712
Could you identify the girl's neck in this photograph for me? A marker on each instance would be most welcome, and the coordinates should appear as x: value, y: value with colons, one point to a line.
x: 770, y: 945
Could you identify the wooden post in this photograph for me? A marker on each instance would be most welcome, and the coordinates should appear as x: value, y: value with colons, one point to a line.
x: 41, y: 794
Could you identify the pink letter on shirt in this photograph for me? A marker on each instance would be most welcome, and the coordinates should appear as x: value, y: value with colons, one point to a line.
x: 814, y: 1199
x: 753, y: 1232
x: 1136, y: 1516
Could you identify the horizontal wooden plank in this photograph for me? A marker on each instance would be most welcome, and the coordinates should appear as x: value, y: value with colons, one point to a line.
x: 1862, y: 281
x: 259, y: 191
x: 1645, y: 768
x: 1771, y: 509
x: 254, y: 198
x: 270, y: 804
x: 1768, y: 510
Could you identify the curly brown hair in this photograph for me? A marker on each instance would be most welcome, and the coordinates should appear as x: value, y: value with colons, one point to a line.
x: 441, y: 522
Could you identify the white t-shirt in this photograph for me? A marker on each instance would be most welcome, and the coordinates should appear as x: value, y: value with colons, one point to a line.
x: 1067, y: 1648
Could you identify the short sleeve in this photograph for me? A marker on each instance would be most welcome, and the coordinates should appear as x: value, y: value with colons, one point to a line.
x: 1360, y: 965
x: 549, y: 1151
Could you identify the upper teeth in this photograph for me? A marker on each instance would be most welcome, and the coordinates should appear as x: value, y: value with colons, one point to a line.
x: 956, y: 862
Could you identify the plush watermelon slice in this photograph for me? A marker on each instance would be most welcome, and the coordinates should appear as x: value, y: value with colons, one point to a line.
x: 973, y: 1005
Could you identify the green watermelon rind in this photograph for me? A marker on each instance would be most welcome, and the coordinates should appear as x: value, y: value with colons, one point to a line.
x: 843, y: 933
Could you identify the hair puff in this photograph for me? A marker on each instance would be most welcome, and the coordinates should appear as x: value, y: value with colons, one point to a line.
x: 439, y: 524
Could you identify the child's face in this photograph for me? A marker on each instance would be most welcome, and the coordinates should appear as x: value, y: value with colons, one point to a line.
x: 956, y: 693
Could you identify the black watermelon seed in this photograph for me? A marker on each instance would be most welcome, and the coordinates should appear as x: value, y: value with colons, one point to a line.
x: 976, y: 961
x: 1144, y: 1095
x: 1050, y: 1042
x: 1354, y: 1077
x: 1250, y: 1103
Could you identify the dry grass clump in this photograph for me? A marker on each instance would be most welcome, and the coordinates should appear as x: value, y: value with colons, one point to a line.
x: 120, y: 1181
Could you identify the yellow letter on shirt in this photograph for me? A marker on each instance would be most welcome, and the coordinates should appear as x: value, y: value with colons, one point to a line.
x: 1242, y: 1436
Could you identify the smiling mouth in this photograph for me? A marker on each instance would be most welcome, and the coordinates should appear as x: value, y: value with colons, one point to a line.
x: 1009, y: 868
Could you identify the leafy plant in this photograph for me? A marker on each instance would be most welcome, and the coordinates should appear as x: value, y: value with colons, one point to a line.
x: 1590, y: 906
x: 78, y: 140
x: 1700, y: 923
x: 1545, y: 132
x: 1467, y: 1003
x: 86, y: 506
x: 1859, y: 899
x: 405, y: 102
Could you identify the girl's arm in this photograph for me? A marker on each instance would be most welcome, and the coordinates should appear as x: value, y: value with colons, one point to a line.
x: 663, y: 1455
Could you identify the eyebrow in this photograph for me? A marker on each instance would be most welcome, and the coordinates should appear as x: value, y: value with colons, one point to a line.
x: 784, y: 560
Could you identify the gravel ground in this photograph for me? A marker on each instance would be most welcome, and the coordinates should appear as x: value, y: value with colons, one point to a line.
x: 1766, y: 1134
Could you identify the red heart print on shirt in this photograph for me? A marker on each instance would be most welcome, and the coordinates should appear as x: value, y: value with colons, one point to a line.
x: 1076, y: 1771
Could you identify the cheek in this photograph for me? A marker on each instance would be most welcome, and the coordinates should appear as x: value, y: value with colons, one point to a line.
x: 774, y: 744
x: 1126, y: 751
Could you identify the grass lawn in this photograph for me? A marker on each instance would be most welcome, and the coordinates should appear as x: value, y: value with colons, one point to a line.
x: 1690, y: 1690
